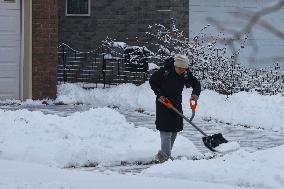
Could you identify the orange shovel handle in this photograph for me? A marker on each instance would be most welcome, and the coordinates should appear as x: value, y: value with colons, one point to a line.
x: 192, y: 103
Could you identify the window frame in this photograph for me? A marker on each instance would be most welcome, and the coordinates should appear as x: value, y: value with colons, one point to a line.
x: 88, y: 14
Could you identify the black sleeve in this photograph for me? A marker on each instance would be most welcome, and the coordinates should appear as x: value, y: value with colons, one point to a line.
x: 155, y: 82
x: 192, y: 81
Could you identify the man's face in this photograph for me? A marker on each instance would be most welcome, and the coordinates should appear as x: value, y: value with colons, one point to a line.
x: 179, y: 70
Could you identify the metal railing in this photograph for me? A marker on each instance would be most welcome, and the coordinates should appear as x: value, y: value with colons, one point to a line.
x: 99, y: 67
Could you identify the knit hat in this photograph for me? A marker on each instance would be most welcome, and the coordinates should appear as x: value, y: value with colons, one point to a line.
x: 181, y: 61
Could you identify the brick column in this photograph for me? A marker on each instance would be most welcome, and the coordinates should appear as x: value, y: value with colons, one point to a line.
x: 44, y: 48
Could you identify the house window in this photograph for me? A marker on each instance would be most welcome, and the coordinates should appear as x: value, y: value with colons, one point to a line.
x: 78, y: 7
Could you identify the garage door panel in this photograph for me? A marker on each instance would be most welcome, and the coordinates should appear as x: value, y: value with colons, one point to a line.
x: 9, y: 4
x: 8, y: 21
x: 5, y: 96
x: 8, y: 73
x: 9, y: 88
x: 9, y: 56
x: 10, y: 36
x: 7, y: 66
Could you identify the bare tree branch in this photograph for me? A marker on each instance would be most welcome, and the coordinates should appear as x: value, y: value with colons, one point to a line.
x: 269, y: 27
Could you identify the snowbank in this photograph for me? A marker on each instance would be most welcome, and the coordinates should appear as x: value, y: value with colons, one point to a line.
x: 99, y: 135
x: 31, y: 176
x: 126, y: 95
x: 244, y: 108
x: 241, y: 108
x: 262, y: 169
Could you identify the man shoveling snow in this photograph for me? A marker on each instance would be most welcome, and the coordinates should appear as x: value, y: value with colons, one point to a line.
x: 168, y: 83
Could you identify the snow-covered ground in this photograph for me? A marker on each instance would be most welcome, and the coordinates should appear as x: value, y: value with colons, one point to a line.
x: 242, y: 108
x: 36, y: 148
x: 262, y: 169
x: 99, y: 135
x: 19, y: 175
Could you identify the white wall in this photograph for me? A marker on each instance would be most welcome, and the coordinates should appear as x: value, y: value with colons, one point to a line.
x: 269, y: 47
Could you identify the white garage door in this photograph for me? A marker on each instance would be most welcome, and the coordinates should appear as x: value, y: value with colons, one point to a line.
x: 269, y: 47
x: 10, y: 36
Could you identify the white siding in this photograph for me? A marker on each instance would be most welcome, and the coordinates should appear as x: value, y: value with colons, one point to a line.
x: 270, y: 48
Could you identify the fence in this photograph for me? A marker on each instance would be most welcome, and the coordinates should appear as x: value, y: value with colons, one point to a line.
x: 99, y: 67
x: 102, y: 66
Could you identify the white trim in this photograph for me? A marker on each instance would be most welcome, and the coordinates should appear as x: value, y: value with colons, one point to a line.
x: 89, y: 10
x: 22, y: 29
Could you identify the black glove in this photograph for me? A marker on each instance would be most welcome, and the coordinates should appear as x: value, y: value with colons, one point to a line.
x: 194, y: 97
x: 162, y: 98
x: 165, y: 101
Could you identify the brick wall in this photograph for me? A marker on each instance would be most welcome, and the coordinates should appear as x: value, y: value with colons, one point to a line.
x: 44, y: 48
x: 123, y: 20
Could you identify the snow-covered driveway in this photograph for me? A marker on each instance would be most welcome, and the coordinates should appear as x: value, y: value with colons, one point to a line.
x: 250, y: 138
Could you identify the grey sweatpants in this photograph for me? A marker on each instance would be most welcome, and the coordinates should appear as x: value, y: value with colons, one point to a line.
x: 167, y: 143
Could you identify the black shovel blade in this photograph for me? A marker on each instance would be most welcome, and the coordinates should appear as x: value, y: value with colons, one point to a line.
x: 213, y: 141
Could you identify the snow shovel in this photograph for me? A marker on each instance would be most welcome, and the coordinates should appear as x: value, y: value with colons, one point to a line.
x: 210, y: 141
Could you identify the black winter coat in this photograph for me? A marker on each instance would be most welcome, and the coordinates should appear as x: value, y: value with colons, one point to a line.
x: 166, y: 82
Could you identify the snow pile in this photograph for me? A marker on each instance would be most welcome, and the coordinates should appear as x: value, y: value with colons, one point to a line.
x: 153, y: 66
x: 242, y: 108
x: 262, y: 169
x: 228, y: 147
x: 31, y: 176
x: 99, y: 135
x: 126, y: 95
